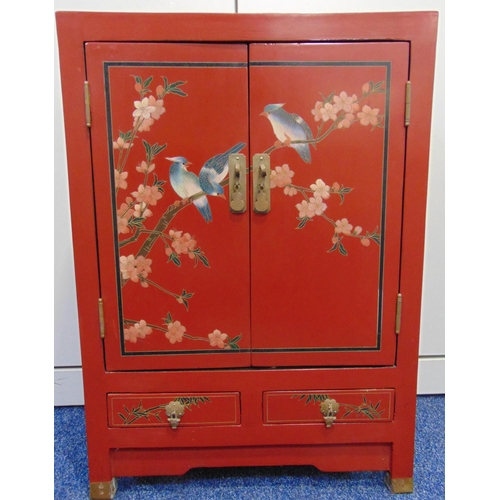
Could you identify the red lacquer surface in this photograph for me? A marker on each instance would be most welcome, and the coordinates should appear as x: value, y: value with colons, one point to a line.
x: 320, y: 269
x: 189, y: 289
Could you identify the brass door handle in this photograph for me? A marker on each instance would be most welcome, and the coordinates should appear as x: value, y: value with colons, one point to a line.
x: 329, y: 408
x: 175, y: 411
x: 261, y: 183
x: 237, y: 183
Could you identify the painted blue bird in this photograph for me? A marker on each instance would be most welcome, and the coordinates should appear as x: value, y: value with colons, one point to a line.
x: 289, y: 127
x: 215, y: 170
x: 187, y: 184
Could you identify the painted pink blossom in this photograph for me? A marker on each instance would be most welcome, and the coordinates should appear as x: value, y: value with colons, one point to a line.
x: 183, y: 243
x: 365, y: 242
x: 366, y: 88
x: 304, y: 210
x: 135, y: 269
x: 281, y: 176
x: 125, y: 208
x: 357, y: 230
x: 346, y: 121
x: 143, y: 109
x: 317, y: 111
x: 316, y: 205
x: 145, y: 168
x: 217, y: 339
x: 175, y: 332
x: 343, y: 226
x: 343, y: 102
x: 145, y: 125
x: 336, y: 187
x: 368, y: 116
x: 290, y: 191
x: 120, y: 181
x: 124, y: 213
x: 324, y: 112
x: 142, y: 210
x: 122, y: 225
x: 160, y: 91
x: 321, y: 189
x: 329, y: 112
x: 120, y: 144
x: 335, y: 240
x: 148, y: 194
x: 139, y: 330
x: 158, y: 105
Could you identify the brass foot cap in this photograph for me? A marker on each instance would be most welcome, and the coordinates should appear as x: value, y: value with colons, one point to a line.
x: 399, y: 484
x: 103, y: 491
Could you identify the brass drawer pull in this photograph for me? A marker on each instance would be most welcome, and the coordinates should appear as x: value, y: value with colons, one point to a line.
x: 329, y: 408
x: 175, y: 411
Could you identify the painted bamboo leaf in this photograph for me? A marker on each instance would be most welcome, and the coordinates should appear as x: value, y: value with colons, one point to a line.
x: 342, y: 249
x: 303, y: 222
x: 147, y: 82
x: 177, y: 92
x: 335, y: 246
x: 175, y: 259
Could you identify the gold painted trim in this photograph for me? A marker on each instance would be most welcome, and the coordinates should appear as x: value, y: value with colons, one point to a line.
x: 407, y: 104
x: 86, y: 92
x: 200, y: 423
x: 338, y: 393
x: 101, y: 318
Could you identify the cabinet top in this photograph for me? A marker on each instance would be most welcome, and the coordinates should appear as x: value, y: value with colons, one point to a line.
x: 131, y: 26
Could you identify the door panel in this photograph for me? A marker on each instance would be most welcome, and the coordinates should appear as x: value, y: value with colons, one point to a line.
x: 325, y: 259
x: 174, y: 277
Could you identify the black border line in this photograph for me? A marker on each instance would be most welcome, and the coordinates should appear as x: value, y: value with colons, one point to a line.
x: 386, y: 64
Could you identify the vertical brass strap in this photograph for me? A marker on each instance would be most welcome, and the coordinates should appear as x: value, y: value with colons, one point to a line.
x: 86, y: 91
x: 407, y: 104
x: 101, y: 318
x: 399, y: 304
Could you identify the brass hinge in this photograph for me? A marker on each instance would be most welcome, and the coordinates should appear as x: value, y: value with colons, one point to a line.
x: 407, y: 104
x: 101, y: 318
x: 399, y: 304
x: 86, y: 92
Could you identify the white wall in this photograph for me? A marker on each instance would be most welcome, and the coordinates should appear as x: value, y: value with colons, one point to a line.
x: 67, y: 372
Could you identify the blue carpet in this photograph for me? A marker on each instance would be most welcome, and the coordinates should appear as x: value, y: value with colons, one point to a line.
x: 254, y: 483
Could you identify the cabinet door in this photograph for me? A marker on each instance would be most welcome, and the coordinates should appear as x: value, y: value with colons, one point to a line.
x: 174, y: 272
x: 325, y: 259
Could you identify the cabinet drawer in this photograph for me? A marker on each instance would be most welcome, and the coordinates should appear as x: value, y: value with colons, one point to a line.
x: 148, y: 410
x: 362, y: 405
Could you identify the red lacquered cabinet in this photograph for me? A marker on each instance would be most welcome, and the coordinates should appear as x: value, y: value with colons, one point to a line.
x: 248, y: 201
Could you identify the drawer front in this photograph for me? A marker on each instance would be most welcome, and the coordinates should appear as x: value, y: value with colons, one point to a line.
x: 149, y: 410
x: 289, y: 407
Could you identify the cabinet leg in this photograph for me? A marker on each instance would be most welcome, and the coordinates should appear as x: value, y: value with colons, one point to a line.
x: 103, y: 491
x: 399, y: 484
